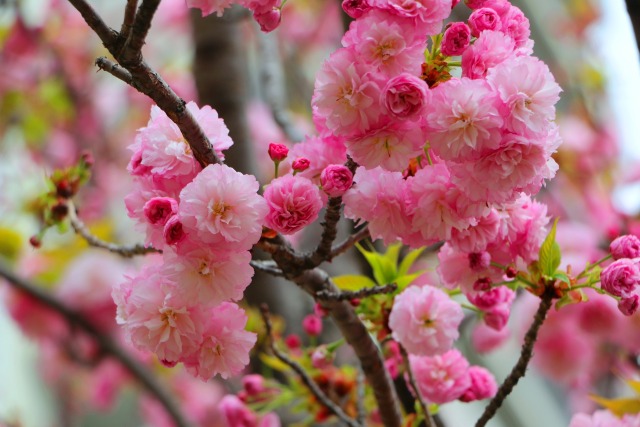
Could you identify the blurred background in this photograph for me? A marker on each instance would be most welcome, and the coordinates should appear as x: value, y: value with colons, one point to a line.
x: 53, y: 104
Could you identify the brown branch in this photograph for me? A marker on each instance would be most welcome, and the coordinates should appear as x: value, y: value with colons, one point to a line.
x: 329, y: 232
x: 416, y: 390
x: 267, y: 267
x: 520, y: 369
x: 114, y: 69
x: 147, y: 81
x: 348, y: 243
x: 360, y: 394
x: 132, y: 49
x: 361, y: 293
x: 107, y: 345
x: 357, y: 335
x: 306, y: 379
x: 129, y: 17
x: 92, y: 240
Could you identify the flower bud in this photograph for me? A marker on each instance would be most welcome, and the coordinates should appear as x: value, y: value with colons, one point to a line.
x: 336, y: 180
x: 300, y: 164
x: 278, y: 152
x: 627, y: 246
x: 456, y: 39
x: 312, y: 325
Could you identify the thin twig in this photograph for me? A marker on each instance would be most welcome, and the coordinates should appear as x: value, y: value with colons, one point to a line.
x: 147, y: 81
x: 129, y: 17
x: 348, y: 243
x: 269, y: 267
x: 107, y: 345
x: 361, y: 293
x: 92, y: 240
x: 416, y: 390
x: 520, y: 369
x: 306, y: 379
x: 114, y: 69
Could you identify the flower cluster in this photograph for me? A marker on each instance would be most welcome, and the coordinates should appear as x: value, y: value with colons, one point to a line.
x: 621, y: 278
x: 205, y: 221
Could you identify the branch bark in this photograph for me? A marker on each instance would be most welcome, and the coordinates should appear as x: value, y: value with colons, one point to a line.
x: 108, y: 346
x: 520, y: 369
x: 633, y: 7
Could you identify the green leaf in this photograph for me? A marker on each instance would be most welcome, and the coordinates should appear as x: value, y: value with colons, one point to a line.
x: 408, y: 261
x: 404, y: 281
x: 274, y: 363
x: 562, y: 277
x: 549, y: 256
x: 621, y: 406
x: 393, y: 253
x: 384, y: 271
x: 353, y: 282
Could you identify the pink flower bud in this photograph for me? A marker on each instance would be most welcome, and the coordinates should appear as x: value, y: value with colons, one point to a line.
x: 456, y: 39
x: 355, y: 8
x: 629, y: 305
x: 278, y: 152
x: 312, y: 325
x: 485, y: 300
x: 497, y: 317
x: 321, y: 358
x: 173, y: 232
x: 319, y: 311
x: 336, y: 180
x: 621, y: 277
x: 268, y: 21
x: 484, y: 19
x: 158, y: 210
x: 627, y: 246
x: 405, y: 96
x: 253, y: 384
x: 483, y: 385
x: 235, y: 413
x: 293, y: 342
x: 482, y: 284
x: 300, y: 164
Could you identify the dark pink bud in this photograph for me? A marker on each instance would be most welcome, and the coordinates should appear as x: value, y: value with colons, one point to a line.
x: 482, y: 284
x: 483, y: 385
x: 278, y: 152
x: 336, y: 180
x: 456, y: 39
x: 293, y: 342
x: 268, y: 21
x: 621, y: 277
x: 405, y: 95
x: 628, y: 306
x: 355, y: 8
x: 319, y: 311
x: 159, y: 209
x: 136, y: 167
x: 627, y: 246
x: 497, y: 317
x: 312, y: 325
x: 173, y: 232
x: 253, y: 384
x: 479, y: 261
x: 300, y: 164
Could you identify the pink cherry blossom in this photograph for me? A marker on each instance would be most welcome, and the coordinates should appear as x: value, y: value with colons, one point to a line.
x: 336, y: 180
x: 443, y: 378
x: 483, y: 385
x: 425, y: 320
x: 405, y: 96
x: 222, y: 206
x: 378, y: 196
x: 293, y: 202
x: 225, y: 345
x: 173, y: 232
x: 516, y: 26
x: 300, y: 164
x: 390, y: 146
x: 484, y: 19
x: 464, y: 119
x: 604, y: 418
x: 456, y: 39
x: 529, y: 92
x: 427, y: 14
x: 435, y: 205
x: 461, y: 269
x: 355, y: 8
x: 346, y: 98
x: 155, y: 317
x: 278, y: 152
x: 207, y: 276
x: 385, y: 43
x: 490, y: 49
x: 478, y: 235
x: 621, y: 277
x: 627, y: 246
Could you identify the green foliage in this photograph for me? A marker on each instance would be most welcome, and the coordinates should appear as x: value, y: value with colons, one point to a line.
x: 549, y: 257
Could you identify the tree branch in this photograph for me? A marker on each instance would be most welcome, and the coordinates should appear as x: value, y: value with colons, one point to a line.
x: 125, y: 251
x: 361, y: 293
x: 267, y: 267
x: 348, y: 243
x: 114, y: 69
x: 329, y: 232
x: 520, y: 369
x: 356, y: 334
x: 107, y: 345
x: 132, y: 49
x: 416, y: 390
x: 306, y: 379
x: 129, y: 17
